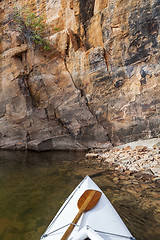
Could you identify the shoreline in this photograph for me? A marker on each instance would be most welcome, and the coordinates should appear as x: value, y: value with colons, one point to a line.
x: 140, y: 158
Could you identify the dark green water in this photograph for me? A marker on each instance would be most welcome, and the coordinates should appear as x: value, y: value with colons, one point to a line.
x: 33, y: 186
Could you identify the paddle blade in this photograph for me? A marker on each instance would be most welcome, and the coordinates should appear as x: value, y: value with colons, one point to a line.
x: 95, y: 198
x: 86, y: 202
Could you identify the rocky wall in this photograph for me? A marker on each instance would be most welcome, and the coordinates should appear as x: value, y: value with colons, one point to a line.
x: 98, y: 83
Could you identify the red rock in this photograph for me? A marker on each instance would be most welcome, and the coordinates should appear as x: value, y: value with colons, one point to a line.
x: 127, y: 148
x: 96, y: 81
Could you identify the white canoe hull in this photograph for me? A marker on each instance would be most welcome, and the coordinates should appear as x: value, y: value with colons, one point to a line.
x: 103, y: 218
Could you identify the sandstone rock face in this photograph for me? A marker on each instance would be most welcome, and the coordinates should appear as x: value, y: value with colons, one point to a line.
x: 98, y: 82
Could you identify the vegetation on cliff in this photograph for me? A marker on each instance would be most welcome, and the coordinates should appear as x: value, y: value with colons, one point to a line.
x: 31, y: 27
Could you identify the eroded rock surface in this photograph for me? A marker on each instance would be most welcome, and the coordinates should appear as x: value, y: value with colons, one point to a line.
x: 98, y: 82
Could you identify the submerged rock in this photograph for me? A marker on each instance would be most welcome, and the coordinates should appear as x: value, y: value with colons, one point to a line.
x: 141, y: 160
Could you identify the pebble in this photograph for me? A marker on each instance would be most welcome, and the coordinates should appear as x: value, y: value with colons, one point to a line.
x: 139, y: 159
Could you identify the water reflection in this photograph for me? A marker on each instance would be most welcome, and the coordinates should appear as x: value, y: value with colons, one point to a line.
x: 32, y: 186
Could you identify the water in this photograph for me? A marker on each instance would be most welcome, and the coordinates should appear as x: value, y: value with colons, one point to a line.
x: 33, y: 186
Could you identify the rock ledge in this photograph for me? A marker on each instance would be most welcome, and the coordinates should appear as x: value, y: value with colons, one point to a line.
x: 140, y: 157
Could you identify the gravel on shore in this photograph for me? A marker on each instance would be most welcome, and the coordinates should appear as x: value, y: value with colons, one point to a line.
x: 141, y: 157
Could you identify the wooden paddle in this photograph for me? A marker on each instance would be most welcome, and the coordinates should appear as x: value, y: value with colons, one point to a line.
x: 86, y: 202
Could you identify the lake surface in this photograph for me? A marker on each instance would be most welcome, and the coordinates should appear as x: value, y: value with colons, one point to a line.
x: 33, y: 186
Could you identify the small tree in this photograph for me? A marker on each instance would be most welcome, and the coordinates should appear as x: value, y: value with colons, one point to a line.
x: 31, y: 27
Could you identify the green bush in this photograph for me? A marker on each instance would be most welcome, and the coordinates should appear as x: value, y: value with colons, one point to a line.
x: 31, y: 27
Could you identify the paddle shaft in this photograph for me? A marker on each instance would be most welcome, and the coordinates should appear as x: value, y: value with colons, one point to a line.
x: 77, y: 217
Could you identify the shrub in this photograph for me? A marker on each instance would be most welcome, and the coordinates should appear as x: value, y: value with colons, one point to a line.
x: 31, y: 27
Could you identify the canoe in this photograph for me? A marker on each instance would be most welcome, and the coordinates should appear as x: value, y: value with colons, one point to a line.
x: 101, y: 222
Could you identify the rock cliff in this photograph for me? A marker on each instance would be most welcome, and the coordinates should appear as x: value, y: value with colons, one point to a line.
x: 99, y: 82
